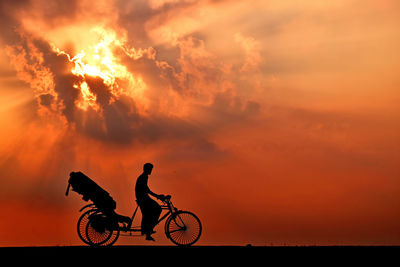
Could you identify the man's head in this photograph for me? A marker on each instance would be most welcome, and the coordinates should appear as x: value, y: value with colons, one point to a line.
x: 147, y: 168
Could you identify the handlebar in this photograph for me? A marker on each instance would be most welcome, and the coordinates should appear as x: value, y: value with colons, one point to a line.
x: 168, y: 204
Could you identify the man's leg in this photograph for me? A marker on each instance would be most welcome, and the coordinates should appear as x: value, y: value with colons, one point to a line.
x: 154, y: 211
x: 144, y: 223
x: 156, y: 215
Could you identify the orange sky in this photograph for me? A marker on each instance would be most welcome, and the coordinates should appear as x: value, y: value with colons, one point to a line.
x: 276, y: 122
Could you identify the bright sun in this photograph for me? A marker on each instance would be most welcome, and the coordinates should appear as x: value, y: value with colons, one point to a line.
x: 99, y: 60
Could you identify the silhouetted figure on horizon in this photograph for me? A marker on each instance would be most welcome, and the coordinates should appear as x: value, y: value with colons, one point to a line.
x: 151, y: 210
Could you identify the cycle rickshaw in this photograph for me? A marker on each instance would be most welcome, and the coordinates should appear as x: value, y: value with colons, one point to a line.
x: 97, y: 228
x: 183, y: 228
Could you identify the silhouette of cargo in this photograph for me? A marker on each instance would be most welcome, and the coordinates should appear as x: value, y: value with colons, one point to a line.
x: 86, y: 187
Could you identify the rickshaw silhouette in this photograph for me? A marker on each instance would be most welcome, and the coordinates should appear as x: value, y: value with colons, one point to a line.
x: 96, y: 227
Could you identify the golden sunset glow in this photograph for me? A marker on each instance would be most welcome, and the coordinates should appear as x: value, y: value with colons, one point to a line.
x: 99, y: 61
x: 276, y: 122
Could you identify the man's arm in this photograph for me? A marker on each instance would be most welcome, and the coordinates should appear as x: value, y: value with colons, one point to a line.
x: 155, y: 195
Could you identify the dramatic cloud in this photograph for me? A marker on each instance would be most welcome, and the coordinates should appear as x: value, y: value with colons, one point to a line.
x: 120, y: 93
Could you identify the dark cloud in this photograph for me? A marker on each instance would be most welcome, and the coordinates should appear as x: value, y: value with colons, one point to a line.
x: 55, y: 13
x: 99, y: 89
x: 9, y: 22
x: 117, y: 120
x: 191, y: 72
x: 46, y: 100
x: 135, y: 15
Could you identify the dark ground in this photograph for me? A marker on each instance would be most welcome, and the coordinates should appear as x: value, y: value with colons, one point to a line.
x: 209, y: 255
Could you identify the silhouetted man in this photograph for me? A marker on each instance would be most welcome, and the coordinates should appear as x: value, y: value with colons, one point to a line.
x: 151, y: 210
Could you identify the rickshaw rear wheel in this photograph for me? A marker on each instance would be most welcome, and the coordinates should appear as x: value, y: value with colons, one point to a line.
x: 81, y: 225
x: 106, y: 237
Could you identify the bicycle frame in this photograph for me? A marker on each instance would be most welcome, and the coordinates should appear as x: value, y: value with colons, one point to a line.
x: 167, y: 206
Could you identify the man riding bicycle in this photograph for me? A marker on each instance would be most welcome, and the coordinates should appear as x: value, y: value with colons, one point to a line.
x: 151, y: 210
x: 98, y: 226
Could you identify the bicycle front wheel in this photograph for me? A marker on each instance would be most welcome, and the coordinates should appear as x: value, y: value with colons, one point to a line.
x: 183, y: 228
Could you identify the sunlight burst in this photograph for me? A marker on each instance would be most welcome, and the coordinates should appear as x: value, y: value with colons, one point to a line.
x: 99, y: 60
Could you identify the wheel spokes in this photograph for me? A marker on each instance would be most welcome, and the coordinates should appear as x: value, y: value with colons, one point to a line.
x: 184, y: 228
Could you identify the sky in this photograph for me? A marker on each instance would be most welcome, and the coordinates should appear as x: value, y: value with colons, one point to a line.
x: 276, y: 122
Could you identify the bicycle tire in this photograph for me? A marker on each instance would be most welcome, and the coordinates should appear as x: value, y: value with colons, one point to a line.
x: 113, y: 238
x: 81, y: 225
x: 96, y: 239
x: 183, y: 228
